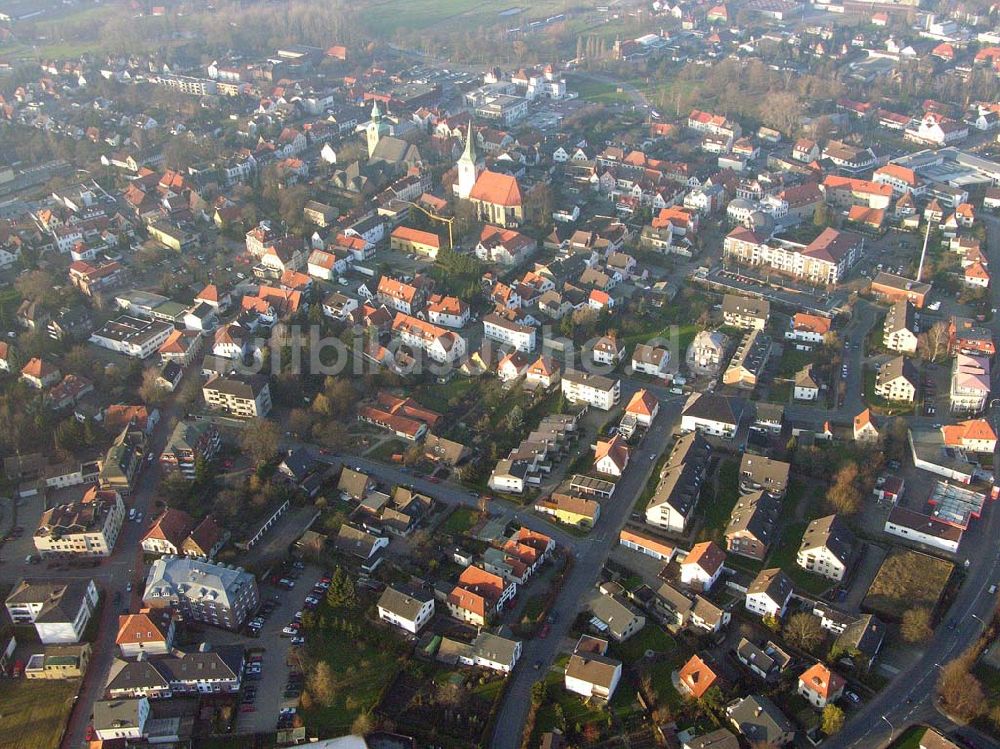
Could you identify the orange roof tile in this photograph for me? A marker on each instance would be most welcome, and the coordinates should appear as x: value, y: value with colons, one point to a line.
x: 697, y: 677
x: 497, y: 189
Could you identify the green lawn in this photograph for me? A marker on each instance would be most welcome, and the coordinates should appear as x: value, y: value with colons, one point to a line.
x: 910, y: 738
x: 389, y: 16
x: 600, y: 92
x: 459, y: 521
x: 716, y: 508
x: 33, y: 713
x: 571, y: 706
x: 362, y: 665
x: 792, y: 362
x: 387, y: 449
x: 650, y: 637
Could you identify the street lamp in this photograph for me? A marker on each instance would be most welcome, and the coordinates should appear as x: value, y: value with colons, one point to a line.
x: 892, y: 728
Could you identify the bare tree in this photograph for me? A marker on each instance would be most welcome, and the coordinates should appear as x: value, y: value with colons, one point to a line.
x: 260, y: 440
x: 933, y: 343
x: 804, y: 630
x: 845, y: 494
x: 916, y: 625
x: 960, y: 692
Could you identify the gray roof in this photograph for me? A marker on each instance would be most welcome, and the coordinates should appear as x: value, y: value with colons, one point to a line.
x: 771, y: 475
x: 60, y: 601
x: 829, y: 532
x: 194, y: 579
x: 759, y: 719
x: 494, y: 648
x: 741, y: 305
x: 117, y: 713
x: 772, y: 582
x: 614, y: 612
x: 717, y: 739
x: 186, y: 435
x: 405, y: 604
x: 714, y: 407
x: 864, y: 634
x: 756, y: 514
x: 900, y: 366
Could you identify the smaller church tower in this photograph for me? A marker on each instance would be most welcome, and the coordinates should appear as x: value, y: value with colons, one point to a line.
x: 375, y: 129
x: 470, y: 166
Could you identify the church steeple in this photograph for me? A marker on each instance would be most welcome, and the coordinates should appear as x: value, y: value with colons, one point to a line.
x: 375, y: 129
x: 470, y: 153
x: 470, y: 166
x: 376, y: 112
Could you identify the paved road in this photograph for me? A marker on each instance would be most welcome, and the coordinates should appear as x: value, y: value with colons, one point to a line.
x: 124, y: 566
x: 590, y: 556
x: 910, y: 697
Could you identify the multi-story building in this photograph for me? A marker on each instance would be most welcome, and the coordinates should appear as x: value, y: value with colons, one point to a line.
x: 827, y: 548
x: 124, y: 460
x: 439, y: 344
x: 595, y: 390
x: 243, y: 396
x: 409, y: 610
x: 132, y: 336
x: 825, y: 260
x: 216, y: 594
x: 190, y: 442
x: 897, y: 381
x: 521, y: 337
x: 745, y: 312
x: 899, y: 330
x: 88, y: 527
x: 60, y: 611
x: 679, y: 488
x: 970, y: 384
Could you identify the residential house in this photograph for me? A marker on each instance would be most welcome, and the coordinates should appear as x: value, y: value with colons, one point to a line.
x: 615, y: 617
x: 59, y: 611
x: 827, y: 548
x: 86, y: 527
x: 899, y: 331
x: 702, y: 565
x: 243, y: 396
x: 679, y: 488
x: 769, y: 593
x: 595, y: 390
x: 611, y: 456
x: 821, y: 686
x: 150, y: 632
x: 760, y: 721
x: 745, y: 312
x: 760, y: 473
x: 711, y: 414
x: 897, y: 381
x: 696, y: 677
x: 407, y: 609
x: 216, y: 594
x: 590, y: 673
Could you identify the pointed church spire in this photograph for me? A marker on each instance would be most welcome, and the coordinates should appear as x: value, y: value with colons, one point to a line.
x: 376, y: 112
x: 470, y: 153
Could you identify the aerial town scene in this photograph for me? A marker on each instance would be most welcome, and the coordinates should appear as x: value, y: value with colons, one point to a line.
x: 439, y: 374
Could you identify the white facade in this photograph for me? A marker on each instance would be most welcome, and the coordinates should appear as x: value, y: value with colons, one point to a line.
x: 708, y: 426
x: 762, y: 604
x: 696, y: 576
x: 821, y: 561
x: 521, y: 337
x: 599, y: 392
x: 414, y: 625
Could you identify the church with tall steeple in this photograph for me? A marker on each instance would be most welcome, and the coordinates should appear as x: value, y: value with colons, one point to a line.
x: 470, y: 165
x: 376, y: 129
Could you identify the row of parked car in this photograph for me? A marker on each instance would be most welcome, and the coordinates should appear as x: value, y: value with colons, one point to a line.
x: 253, y: 672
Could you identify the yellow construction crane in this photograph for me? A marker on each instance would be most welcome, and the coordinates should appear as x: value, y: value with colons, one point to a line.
x: 435, y: 217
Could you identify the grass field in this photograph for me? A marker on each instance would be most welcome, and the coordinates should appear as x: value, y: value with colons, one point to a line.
x: 599, y: 92
x: 459, y: 521
x: 386, y: 17
x: 907, y: 579
x: 717, y: 508
x: 33, y: 713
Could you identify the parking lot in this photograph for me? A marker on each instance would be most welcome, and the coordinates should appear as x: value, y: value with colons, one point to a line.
x: 271, y: 653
